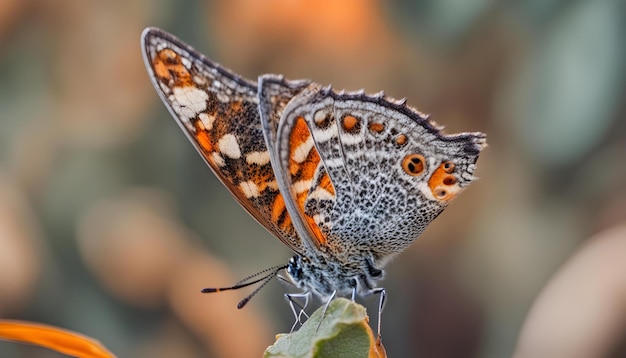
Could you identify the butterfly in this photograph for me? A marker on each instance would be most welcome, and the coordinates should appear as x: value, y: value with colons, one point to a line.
x: 344, y: 179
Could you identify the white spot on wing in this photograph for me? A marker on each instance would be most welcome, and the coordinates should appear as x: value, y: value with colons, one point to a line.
x: 319, y: 116
x: 207, y: 120
x: 272, y: 185
x: 186, y: 62
x: 249, y: 189
x: 164, y: 88
x: 258, y: 158
x: 320, y: 220
x: 229, y: 147
x: 323, y: 135
x: 321, y: 194
x: 187, y: 102
x: 199, y: 80
x: 217, y: 159
x: 302, y: 151
x: 222, y: 97
x: 301, y: 186
x: 333, y: 162
x: 350, y: 139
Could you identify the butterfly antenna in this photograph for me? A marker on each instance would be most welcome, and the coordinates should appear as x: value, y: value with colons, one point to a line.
x: 246, y: 282
x: 272, y: 269
x: 245, y: 301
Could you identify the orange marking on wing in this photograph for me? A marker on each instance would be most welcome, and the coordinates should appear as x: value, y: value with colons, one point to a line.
x: 203, y: 138
x: 236, y: 106
x: 414, y: 164
x: 301, y: 199
x: 327, y: 184
x: 443, y: 185
x: 279, y: 213
x: 168, y: 66
x: 315, y: 230
x: 263, y: 181
x: 286, y: 222
x: 317, y: 233
x: 277, y: 208
x: 299, y: 134
x: 350, y: 123
x: 293, y: 167
x: 307, y: 169
x: 160, y: 69
x: 376, y: 127
x: 304, y: 171
x: 401, y: 139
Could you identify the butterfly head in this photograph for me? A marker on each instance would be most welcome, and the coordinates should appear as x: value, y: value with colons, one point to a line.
x: 294, y: 268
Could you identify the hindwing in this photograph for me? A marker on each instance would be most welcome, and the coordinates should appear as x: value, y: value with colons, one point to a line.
x: 380, y: 171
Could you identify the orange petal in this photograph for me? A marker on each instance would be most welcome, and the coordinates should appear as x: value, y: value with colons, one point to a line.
x: 58, y: 339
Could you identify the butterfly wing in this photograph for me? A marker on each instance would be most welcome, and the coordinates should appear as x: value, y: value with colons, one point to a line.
x: 218, y: 111
x: 391, y: 171
x: 296, y: 169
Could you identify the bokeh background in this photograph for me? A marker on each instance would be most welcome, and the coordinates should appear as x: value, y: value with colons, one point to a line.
x: 110, y: 223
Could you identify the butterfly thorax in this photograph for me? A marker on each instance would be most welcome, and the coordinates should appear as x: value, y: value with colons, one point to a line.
x: 324, y: 277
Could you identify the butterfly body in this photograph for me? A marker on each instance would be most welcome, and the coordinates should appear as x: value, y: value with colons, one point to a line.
x: 344, y: 179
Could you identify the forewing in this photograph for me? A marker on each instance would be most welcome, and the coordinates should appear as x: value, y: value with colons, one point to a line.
x: 218, y: 111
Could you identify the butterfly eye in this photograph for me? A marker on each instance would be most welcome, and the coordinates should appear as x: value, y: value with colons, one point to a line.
x: 414, y: 164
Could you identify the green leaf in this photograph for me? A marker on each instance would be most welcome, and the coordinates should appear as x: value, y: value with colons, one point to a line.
x: 344, y: 332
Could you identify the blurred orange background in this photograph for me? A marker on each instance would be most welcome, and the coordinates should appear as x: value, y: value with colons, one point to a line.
x: 110, y: 223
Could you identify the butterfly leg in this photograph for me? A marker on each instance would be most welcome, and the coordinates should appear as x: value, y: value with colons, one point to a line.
x: 381, y: 305
x: 290, y: 297
x: 332, y: 296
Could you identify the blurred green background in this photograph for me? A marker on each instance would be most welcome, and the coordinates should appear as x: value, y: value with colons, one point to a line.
x: 110, y: 223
